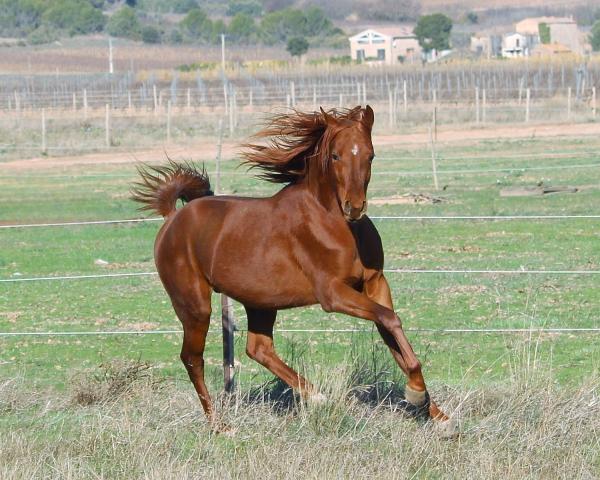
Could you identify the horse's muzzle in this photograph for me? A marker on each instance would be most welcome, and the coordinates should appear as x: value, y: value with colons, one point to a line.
x: 352, y: 213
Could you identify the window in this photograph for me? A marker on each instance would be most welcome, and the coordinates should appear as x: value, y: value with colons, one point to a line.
x: 378, y: 38
x: 364, y: 39
x: 381, y: 54
x: 517, y: 42
x: 360, y: 55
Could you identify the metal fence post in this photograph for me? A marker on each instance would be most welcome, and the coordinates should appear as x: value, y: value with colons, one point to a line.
x: 227, y: 320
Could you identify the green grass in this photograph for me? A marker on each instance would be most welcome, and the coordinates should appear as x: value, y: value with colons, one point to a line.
x: 99, y: 191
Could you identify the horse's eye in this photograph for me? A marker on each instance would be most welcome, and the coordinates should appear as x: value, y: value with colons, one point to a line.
x: 335, y: 156
x: 371, y: 158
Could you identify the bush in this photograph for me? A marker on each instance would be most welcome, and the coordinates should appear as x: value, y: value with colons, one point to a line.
x: 43, y: 34
x: 175, y: 36
x: 197, y: 25
x: 124, y: 23
x: 595, y: 36
x: 150, y: 34
x: 20, y: 17
x: 184, y: 6
x: 241, y: 27
x: 297, y: 46
x: 74, y: 16
x: 248, y: 7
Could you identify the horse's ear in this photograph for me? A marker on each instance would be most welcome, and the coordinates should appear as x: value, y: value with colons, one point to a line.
x: 368, y: 117
x: 329, y: 119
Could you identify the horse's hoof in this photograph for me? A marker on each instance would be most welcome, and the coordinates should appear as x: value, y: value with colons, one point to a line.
x: 446, y: 429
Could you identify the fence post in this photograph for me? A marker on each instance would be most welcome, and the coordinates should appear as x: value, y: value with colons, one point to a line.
x: 433, y: 162
x: 231, y: 119
x: 364, y: 92
x: 74, y: 102
x: 293, y: 93
x: 405, y: 94
x: 341, y: 100
x: 129, y: 103
x: 85, y: 104
x: 107, y: 125
x: 155, y: 99
x: 228, y: 342
x: 483, y: 106
x: 251, y: 100
x: 218, y: 159
x: 358, y: 96
x: 188, y: 100
x: 169, y: 121
x: 569, y: 103
x: 44, y: 147
x: 314, y: 97
x: 594, y: 101
x: 527, y: 99
x: 390, y: 108
x: 477, y: 105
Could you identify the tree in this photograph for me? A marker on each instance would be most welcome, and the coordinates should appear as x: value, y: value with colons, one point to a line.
x: 249, y: 7
x: 297, y: 46
x: 20, y: 17
x: 184, y: 6
x: 150, y: 34
x: 241, y: 27
x: 433, y: 32
x: 595, y: 36
x: 124, y: 23
x: 75, y: 16
x: 197, y: 24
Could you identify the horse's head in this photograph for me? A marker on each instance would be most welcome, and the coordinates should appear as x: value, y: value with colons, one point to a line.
x: 350, y: 156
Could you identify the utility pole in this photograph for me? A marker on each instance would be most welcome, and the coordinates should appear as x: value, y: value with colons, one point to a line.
x: 111, y: 69
x: 223, y: 54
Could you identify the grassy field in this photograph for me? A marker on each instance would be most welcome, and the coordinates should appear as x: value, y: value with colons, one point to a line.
x: 528, y: 402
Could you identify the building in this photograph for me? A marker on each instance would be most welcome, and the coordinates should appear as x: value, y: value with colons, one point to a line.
x: 560, y: 30
x: 515, y: 45
x: 486, y: 45
x: 388, y: 45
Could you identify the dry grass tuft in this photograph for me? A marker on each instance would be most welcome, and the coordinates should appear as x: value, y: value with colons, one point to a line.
x: 528, y: 427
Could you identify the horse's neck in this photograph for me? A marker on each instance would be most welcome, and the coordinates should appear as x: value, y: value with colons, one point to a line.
x: 321, y: 189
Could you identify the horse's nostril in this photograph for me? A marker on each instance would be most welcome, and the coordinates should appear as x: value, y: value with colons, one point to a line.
x: 347, y: 207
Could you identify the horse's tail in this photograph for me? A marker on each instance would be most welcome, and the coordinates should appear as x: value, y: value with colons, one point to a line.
x: 161, y: 187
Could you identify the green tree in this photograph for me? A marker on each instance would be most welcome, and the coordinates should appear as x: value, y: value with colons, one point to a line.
x: 297, y: 46
x: 433, y: 32
x: 544, y: 31
x: 184, y: 6
x: 249, y: 7
x: 595, y: 36
x: 75, y: 16
x: 150, y: 34
x: 20, y: 17
x: 241, y: 27
x: 124, y: 23
x: 197, y: 25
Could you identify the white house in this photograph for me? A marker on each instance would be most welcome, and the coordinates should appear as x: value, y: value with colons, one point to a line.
x: 514, y: 45
x: 387, y: 45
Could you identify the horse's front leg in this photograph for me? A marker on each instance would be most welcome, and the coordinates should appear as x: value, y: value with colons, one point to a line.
x: 378, y: 290
x: 341, y: 298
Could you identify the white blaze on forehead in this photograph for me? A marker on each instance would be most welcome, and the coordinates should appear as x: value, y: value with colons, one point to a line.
x: 354, y: 149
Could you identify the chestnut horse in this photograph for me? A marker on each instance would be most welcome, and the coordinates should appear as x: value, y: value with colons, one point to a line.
x: 309, y: 243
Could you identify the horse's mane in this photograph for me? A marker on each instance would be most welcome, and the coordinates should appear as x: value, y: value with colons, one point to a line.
x: 295, y: 140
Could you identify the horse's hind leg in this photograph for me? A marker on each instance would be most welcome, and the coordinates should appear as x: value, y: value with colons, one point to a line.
x: 260, y: 347
x: 193, y: 309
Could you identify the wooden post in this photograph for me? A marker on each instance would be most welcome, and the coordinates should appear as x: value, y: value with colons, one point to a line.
x: 85, y: 104
x: 477, y: 105
x: 107, y: 125
x: 169, y: 121
x: 188, y: 100
x: 155, y: 98
x: 433, y: 162
x: 288, y: 101
x: 341, y: 101
x: 434, y: 123
x: 129, y: 103
x: 251, y: 100
x: 527, y: 99
x: 218, y: 159
x: 405, y: 95
x: 390, y: 108
x: 483, y: 106
x: 225, y: 98
x: 228, y: 342
x: 293, y: 94
x: 364, y: 92
x: 569, y: 103
x: 74, y: 102
x: 358, y: 96
x: 594, y: 101
x: 44, y: 146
